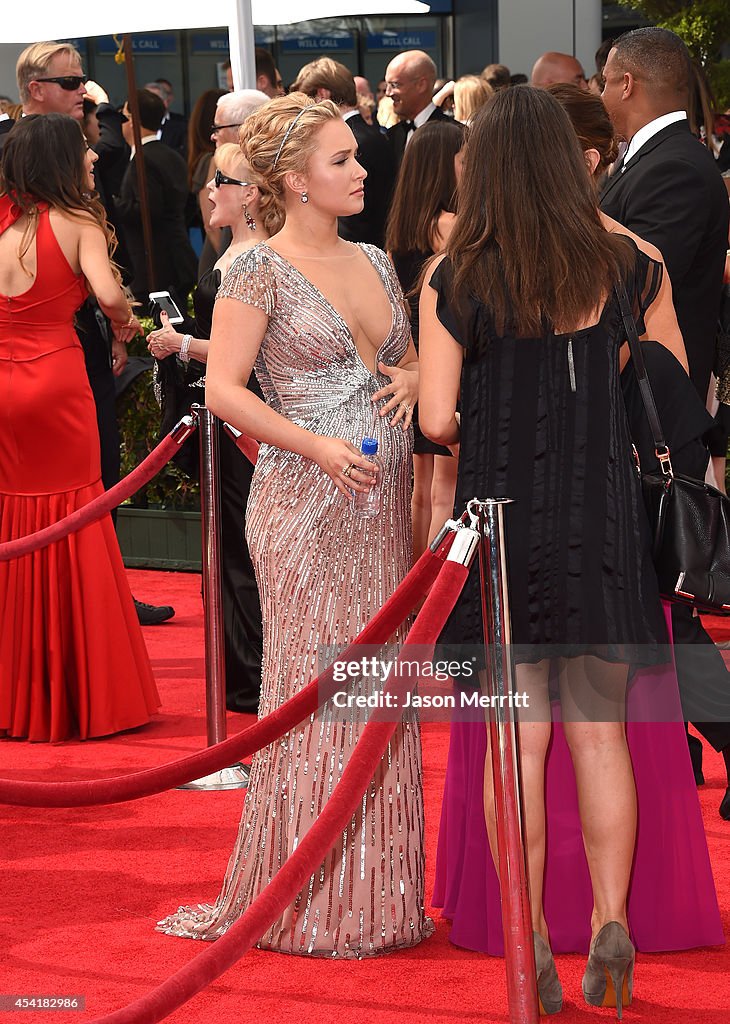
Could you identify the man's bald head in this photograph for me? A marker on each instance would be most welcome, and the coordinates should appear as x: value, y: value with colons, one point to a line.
x: 410, y: 78
x: 552, y: 68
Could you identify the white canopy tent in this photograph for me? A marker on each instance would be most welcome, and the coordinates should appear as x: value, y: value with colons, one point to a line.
x: 47, y: 19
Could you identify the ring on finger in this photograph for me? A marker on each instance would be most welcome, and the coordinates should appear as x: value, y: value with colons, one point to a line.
x: 406, y: 406
x: 348, y: 469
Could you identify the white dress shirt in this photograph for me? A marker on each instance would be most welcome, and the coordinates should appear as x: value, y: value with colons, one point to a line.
x: 649, y: 131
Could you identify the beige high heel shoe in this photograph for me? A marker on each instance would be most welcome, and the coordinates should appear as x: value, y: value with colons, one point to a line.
x: 549, y: 989
x: 609, y: 974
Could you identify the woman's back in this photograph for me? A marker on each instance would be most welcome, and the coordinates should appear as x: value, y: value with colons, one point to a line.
x: 542, y: 422
x: 44, y: 292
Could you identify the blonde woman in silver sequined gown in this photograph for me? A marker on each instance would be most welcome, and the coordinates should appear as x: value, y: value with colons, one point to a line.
x: 323, y: 322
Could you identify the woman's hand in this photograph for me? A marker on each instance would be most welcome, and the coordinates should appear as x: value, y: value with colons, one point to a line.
x: 402, y: 393
x: 127, y: 331
x: 119, y: 357
x: 165, y: 341
x: 343, y: 464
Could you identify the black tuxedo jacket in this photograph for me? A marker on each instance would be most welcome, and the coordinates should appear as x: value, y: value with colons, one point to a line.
x: 399, y: 132
x: 175, y: 133
x: 375, y: 154
x: 167, y: 187
x: 671, y: 194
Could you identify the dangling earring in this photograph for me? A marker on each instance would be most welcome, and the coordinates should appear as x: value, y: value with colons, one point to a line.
x: 304, y: 197
x: 251, y: 223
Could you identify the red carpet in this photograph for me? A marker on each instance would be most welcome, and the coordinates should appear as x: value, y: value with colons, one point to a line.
x: 82, y: 888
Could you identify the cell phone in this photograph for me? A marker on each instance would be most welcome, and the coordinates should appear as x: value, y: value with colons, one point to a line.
x: 163, y: 300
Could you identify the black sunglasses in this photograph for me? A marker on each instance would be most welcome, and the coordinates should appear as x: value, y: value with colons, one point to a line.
x: 215, y: 128
x: 223, y: 179
x: 67, y: 82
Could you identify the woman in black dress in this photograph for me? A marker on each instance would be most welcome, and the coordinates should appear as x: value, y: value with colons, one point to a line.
x: 419, y: 224
x: 519, y: 323
x: 240, y: 201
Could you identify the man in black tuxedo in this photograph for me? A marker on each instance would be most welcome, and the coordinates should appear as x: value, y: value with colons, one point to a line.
x: 668, y: 190
x: 410, y: 79
x: 167, y: 191
x: 174, y: 127
x: 328, y: 79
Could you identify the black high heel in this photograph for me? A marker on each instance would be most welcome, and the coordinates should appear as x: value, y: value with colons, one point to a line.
x: 609, y: 974
x: 549, y: 989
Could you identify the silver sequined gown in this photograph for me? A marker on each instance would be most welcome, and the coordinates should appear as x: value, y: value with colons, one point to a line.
x: 322, y: 573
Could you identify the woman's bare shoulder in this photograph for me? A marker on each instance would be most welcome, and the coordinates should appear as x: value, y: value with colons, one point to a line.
x: 618, y: 229
x: 73, y: 223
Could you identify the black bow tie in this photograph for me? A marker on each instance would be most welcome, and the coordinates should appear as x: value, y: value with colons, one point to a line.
x: 410, y: 126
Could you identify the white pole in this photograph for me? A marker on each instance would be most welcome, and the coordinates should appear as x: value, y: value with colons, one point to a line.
x: 241, y: 44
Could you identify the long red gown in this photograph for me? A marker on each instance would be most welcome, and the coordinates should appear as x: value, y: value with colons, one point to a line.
x: 72, y: 658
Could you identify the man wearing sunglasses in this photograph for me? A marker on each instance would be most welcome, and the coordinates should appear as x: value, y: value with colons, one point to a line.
x: 51, y: 80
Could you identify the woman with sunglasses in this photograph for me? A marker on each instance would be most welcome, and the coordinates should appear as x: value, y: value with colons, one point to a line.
x: 239, y: 200
x: 72, y: 658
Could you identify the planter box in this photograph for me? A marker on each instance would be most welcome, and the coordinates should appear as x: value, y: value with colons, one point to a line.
x: 159, y: 539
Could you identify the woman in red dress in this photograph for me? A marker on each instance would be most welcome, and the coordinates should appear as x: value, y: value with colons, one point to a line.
x: 72, y: 658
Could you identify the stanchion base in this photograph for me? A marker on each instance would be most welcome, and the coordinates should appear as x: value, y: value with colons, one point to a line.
x: 235, y: 777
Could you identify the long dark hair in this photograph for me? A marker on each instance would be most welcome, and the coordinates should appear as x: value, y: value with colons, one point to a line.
x: 201, y: 119
x: 528, y: 240
x: 590, y: 121
x: 426, y: 187
x: 44, y: 161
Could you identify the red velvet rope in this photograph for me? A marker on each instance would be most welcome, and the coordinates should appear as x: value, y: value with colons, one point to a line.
x: 100, y: 506
x: 313, y: 848
x: 85, y: 793
x: 249, y: 447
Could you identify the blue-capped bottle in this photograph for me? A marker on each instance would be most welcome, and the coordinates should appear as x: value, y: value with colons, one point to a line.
x: 367, y: 503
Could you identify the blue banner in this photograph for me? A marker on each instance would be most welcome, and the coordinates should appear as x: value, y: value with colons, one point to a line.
x: 141, y: 44
x: 416, y: 39
x: 200, y: 43
x: 318, y: 44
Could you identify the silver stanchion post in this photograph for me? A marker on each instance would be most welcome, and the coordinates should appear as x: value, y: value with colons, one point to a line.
x: 235, y: 777
x: 516, y: 919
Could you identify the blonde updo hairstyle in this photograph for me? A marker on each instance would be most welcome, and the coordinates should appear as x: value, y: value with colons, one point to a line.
x: 230, y: 160
x: 272, y: 127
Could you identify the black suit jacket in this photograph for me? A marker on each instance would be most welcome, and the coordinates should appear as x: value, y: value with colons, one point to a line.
x: 671, y: 194
x: 398, y: 133
x: 175, y: 133
x: 375, y: 154
x: 167, y: 187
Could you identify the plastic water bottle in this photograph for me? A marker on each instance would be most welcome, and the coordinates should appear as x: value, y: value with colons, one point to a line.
x: 367, y: 503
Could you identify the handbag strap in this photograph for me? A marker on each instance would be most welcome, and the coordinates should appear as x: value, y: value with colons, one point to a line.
x: 647, y: 395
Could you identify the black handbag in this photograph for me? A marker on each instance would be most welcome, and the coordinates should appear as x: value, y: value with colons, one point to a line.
x: 689, y: 519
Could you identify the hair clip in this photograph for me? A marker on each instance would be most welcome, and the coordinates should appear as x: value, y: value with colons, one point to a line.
x: 288, y: 132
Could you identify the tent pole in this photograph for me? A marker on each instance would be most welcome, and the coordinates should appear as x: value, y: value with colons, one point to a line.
x: 241, y: 45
